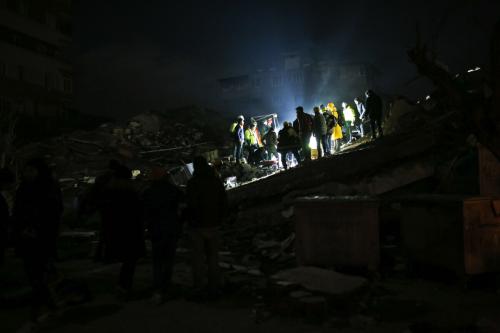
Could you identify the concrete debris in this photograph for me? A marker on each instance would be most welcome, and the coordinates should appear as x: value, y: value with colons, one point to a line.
x: 321, y: 280
x: 148, y: 139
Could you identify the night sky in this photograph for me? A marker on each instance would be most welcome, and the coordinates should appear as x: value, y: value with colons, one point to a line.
x: 132, y: 56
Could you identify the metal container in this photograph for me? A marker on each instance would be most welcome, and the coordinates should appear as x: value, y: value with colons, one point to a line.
x: 337, y: 231
x: 454, y: 233
x: 489, y: 173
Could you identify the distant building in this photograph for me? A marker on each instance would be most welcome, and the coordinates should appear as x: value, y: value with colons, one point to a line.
x: 36, y: 76
x: 298, y: 81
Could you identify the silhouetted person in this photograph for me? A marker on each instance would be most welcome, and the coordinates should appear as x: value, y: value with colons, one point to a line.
x: 271, y: 141
x: 161, y: 208
x: 123, y: 230
x: 37, y: 212
x: 239, y: 140
x: 373, y: 107
x: 303, y: 125
x: 207, y: 206
x: 320, y: 131
x: 94, y: 196
x: 7, y: 178
x: 288, y: 142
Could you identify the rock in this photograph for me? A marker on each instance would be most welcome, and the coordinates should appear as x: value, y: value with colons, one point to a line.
x: 322, y: 280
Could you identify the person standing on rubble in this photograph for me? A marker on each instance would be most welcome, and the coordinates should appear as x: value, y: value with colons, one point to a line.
x: 239, y: 140
x: 252, y: 144
x: 288, y: 142
x: 361, y: 111
x: 337, y: 128
x: 37, y: 212
x: 304, y: 126
x: 162, y: 201
x: 123, y: 231
x: 271, y: 142
x: 320, y: 130
x: 233, y: 132
x: 349, y: 117
x: 374, y: 112
x: 206, y: 210
x: 329, y: 127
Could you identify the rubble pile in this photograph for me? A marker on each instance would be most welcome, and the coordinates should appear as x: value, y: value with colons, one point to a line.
x: 147, y: 139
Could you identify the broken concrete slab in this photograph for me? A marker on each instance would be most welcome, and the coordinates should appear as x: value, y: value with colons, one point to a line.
x: 321, y: 280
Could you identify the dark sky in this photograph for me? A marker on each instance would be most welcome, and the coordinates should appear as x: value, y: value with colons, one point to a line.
x: 132, y: 56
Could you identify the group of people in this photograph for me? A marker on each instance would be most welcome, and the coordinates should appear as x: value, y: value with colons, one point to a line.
x: 329, y: 126
x: 126, y: 211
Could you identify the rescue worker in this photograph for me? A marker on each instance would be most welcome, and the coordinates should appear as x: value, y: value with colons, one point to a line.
x: 288, y: 142
x: 271, y: 141
x: 239, y: 140
x: 349, y: 117
x: 361, y: 111
x: 337, y: 129
x: 232, y: 130
x: 320, y: 131
x: 304, y: 126
x: 374, y: 112
x: 329, y: 129
x: 252, y: 144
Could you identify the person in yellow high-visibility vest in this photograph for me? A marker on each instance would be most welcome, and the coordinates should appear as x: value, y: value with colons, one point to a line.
x: 252, y: 143
x: 350, y: 117
x: 337, y: 129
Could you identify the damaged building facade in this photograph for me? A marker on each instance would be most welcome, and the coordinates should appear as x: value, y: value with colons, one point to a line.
x: 297, y: 80
x: 36, y: 75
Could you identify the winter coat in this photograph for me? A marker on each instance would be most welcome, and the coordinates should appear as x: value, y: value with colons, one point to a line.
x: 374, y: 106
x: 206, y: 199
x: 337, y: 130
x: 161, y: 207
x: 288, y: 139
x: 122, y: 218
x: 271, y: 138
x: 319, y: 124
x: 303, y: 124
